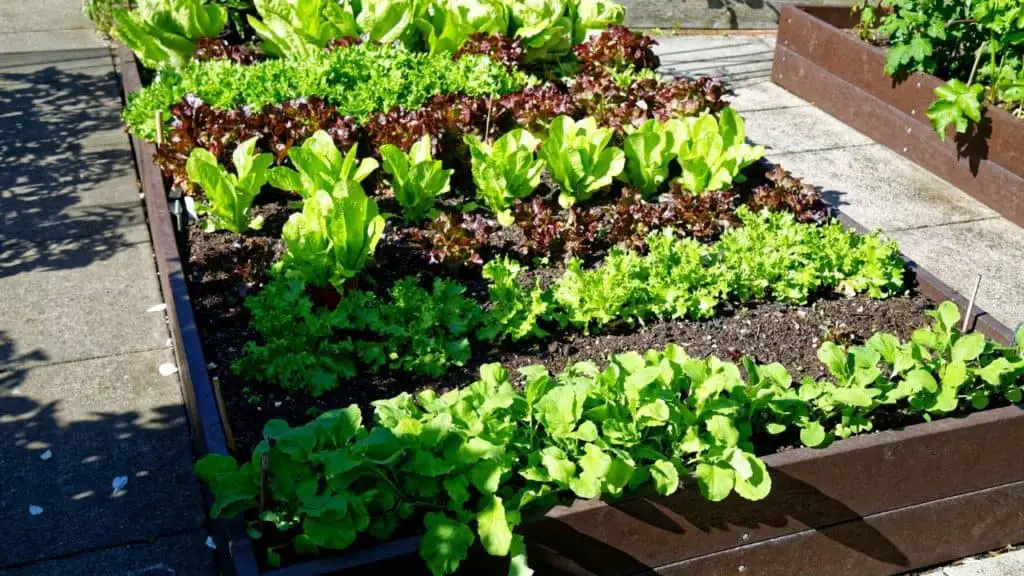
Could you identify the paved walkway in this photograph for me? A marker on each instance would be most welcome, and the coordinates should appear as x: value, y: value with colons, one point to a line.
x: 81, y: 398
x: 937, y: 225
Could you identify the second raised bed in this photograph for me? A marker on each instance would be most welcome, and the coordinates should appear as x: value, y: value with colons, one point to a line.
x: 819, y: 59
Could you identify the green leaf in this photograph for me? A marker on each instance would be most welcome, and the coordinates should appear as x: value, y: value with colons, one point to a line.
x: 812, y: 434
x: 758, y: 485
x: 852, y: 397
x: 955, y: 375
x: 486, y: 476
x: 956, y: 104
x: 993, y: 372
x: 968, y: 347
x: 715, y: 481
x: 517, y: 564
x: 426, y: 464
x: 921, y: 379
x: 559, y: 468
x: 456, y: 487
x: 722, y: 429
x: 666, y: 477
x: 948, y: 314
x: 495, y: 534
x: 834, y: 358
x: 445, y: 544
x: 560, y: 409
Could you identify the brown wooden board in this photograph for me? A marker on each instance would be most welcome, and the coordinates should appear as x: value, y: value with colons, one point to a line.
x: 817, y: 59
x: 873, y: 504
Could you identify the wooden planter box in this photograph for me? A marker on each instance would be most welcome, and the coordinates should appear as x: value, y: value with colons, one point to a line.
x: 871, y: 505
x: 818, y: 59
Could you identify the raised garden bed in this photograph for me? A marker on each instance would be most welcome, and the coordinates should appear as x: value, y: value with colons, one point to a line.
x: 883, y: 503
x: 818, y: 58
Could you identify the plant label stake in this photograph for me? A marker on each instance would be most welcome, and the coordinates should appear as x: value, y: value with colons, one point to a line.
x: 970, y: 304
x: 177, y: 211
x: 159, y: 127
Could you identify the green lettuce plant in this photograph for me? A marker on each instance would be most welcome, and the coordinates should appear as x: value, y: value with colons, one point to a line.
x: 515, y: 309
x: 329, y: 242
x: 319, y: 165
x: 545, y: 27
x: 416, y: 178
x: 300, y: 28
x: 649, y: 150
x: 505, y: 170
x: 769, y: 257
x: 229, y: 196
x: 388, y: 21
x: 448, y: 23
x: 592, y: 15
x: 579, y: 158
x: 303, y: 348
x: 164, y: 32
x: 712, y: 153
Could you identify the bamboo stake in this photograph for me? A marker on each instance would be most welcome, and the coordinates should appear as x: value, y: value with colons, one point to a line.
x: 159, y: 127
x: 223, y: 415
x: 970, y: 304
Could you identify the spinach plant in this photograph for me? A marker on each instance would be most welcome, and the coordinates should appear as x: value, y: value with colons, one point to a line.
x: 164, y: 32
x: 416, y: 178
x: 579, y: 158
x: 229, y: 196
x: 505, y: 170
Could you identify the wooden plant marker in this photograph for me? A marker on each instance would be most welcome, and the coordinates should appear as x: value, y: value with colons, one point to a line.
x: 970, y: 305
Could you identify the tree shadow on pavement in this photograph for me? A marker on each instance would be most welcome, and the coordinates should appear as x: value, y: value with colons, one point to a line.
x: 62, y: 154
x: 66, y: 434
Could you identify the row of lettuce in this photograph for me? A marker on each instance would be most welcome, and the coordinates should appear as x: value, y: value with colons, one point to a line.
x: 474, y: 463
x: 166, y: 33
x: 312, y: 349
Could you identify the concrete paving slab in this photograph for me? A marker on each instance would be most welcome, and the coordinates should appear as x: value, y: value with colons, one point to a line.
x: 1008, y: 564
x: 957, y: 253
x: 183, y: 555
x: 764, y: 96
x: 42, y: 15
x: 740, y: 60
x: 799, y: 129
x: 68, y: 166
x: 876, y: 186
x: 81, y: 297
x: 45, y: 25
x: 68, y: 39
x: 100, y: 419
